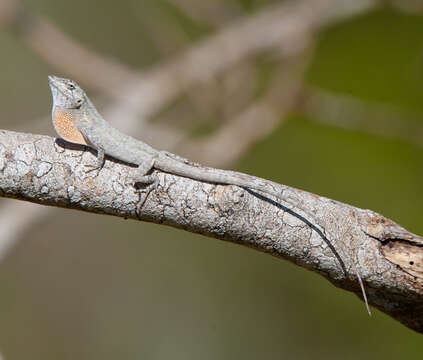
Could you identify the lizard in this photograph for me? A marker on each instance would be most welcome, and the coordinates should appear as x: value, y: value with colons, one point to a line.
x: 76, y: 120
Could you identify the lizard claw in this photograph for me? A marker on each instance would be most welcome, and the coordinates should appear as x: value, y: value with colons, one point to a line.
x: 92, y: 168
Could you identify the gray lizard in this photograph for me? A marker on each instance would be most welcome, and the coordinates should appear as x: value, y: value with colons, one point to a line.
x: 76, y: 120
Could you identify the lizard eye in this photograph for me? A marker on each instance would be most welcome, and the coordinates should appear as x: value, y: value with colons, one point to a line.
x: 71, y: 86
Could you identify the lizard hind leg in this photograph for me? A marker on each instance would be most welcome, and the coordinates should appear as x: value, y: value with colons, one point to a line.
x: 150, y: 182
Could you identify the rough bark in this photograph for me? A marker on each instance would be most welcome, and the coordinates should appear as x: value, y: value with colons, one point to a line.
x: 389, y: 259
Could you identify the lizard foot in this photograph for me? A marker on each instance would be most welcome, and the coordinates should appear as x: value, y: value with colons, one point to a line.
x: 152, y: 184
x: 92, y: 168
x: 100, y: 162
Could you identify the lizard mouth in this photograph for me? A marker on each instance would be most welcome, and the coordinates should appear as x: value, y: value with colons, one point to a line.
x: 52, y: 82
x: 55, y: 82
x: 51, y: 79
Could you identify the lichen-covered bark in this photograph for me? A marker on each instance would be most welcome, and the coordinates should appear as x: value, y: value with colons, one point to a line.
x: 388, y: 258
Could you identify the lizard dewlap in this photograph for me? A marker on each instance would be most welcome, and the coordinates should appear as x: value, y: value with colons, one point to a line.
x: 63, y: 122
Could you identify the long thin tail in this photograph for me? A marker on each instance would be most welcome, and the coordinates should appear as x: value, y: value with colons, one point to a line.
x: 321, y: 234
x: 250, y: 184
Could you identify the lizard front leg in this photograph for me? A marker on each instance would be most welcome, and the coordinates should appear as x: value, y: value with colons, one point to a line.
x: 100, y: 161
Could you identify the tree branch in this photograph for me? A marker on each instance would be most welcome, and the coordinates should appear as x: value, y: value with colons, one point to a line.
x: 39, y: 169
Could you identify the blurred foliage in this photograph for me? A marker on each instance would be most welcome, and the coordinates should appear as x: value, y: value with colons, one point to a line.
x: 91, y: 287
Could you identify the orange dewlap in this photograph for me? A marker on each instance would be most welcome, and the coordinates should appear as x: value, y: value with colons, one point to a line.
x: 64, y: 124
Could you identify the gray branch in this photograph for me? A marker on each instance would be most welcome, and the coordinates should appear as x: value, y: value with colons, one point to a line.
x: 46, y: 171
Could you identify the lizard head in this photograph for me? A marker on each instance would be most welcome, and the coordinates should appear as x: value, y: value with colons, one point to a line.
x: 66, y: 93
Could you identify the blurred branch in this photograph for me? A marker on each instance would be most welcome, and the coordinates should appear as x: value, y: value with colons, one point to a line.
x: 213, y: 13
x: 165, y: 32
x: 287, y: 26
x: 54, y: 46
x: 35, y: 168
x: 258, y: 120
x: 16, y: 218
x: 350, y: 113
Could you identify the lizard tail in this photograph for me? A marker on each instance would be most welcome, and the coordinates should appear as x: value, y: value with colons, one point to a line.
x: 252, y: 184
